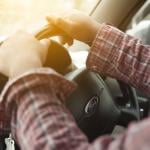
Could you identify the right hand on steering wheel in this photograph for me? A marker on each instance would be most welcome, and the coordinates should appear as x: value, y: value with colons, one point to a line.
x: 75, y: 25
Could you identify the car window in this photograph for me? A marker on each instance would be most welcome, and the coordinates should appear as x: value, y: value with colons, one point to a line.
x: 140, y: 24
x: 25, y: 14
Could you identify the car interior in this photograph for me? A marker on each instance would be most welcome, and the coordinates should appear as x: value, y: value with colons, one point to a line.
x: 100, y: 104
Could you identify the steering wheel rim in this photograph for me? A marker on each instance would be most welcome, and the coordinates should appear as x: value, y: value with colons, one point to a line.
x: 131, y: 111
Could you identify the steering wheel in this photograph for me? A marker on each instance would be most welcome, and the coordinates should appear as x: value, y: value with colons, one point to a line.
x: 92, y: 104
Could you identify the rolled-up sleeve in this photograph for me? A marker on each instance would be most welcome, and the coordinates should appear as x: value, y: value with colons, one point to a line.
x: 39, y: 118
x: 121, y: 56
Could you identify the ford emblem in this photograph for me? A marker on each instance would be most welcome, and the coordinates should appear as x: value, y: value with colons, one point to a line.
x: 91, y: 105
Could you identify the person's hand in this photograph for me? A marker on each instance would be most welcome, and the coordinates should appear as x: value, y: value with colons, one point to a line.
x: 76, y: 25
x: 22, y: 52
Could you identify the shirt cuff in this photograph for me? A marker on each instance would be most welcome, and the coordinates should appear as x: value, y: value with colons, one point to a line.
x: 14, y: 88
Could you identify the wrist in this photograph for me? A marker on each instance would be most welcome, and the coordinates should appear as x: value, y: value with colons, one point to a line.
x: 96, y: 28
x: 20, y: 67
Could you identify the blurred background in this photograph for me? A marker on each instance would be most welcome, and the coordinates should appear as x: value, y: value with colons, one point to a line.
x: 29, y: 14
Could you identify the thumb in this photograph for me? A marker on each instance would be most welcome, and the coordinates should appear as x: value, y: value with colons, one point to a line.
x: 60, y: 22
x: 44, y: 51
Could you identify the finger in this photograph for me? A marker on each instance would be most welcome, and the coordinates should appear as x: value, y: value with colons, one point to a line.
x: 48, y: 31
x: 62, y: 40
x: 65, y: 40
x: 44, y: 51
x: 53, y: 18
x: 70, y: 41
x: 60, y: 22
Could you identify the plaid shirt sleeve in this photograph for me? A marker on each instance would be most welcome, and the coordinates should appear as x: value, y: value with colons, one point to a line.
x: 41, y: 121
x: 121, y: 56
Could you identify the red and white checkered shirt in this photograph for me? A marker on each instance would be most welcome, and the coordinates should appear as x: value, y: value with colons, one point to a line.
x: 39, y: 118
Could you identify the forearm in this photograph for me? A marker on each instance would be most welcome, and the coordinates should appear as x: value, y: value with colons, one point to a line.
x: 121, y: 56
x: 43, y: 122
x: 49, y: 124
x: 40, y: 119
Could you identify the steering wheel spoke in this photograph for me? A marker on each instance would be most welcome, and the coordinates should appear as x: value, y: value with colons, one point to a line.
x: 127, y: 115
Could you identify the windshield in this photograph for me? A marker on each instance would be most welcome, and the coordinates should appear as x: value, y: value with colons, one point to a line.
x: 29, y: 14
